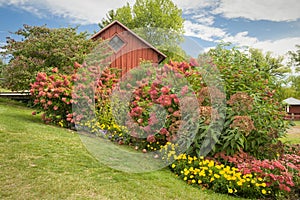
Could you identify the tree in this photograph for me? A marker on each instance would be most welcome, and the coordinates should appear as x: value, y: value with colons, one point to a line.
x: 295, y: 56
x: 269, y: 64
x: 40, y: 50
x: 293, y: 88
x: 159, y: 22
x: 123, y: 14
x: 1, y: 67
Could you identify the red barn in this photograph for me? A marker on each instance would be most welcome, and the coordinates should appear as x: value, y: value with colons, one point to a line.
x: 128, y: 48
x: 292, y: 108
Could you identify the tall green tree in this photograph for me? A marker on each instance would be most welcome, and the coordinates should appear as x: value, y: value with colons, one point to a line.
x: 269, y: 64
x: 294, y: 79
x: 40, y: 50
x: 1, y: 67
x: 159, y: 22
x: 295, y: 56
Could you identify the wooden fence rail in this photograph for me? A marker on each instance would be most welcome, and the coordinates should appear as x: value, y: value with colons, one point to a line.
x: 16, y: 95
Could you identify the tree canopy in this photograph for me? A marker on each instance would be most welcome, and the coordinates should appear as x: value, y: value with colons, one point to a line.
x: 1, y: 67
x: 295, y: 56
x: 40, y: 50
x: 294, y: 79
x: 272, y: 65
x: 159, y: 22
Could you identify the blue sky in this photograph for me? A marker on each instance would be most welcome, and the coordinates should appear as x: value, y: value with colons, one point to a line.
x: 270, y: 25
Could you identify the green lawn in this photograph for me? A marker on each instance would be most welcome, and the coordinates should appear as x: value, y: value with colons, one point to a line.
x: 39, y: 161
x: 4, y: 90
x: 294, y: 136
x: 297, y: 123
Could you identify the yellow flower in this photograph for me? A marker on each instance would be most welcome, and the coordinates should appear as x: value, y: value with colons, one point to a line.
x: 264, y: 184
x: 216, y: 175
x: 172, y: 152
x: 211, y: 163
x: 230, y: 190
x: 193, y: 181
x: 185, y: 178
x: 202, y: 173
x: 173, y: 165
x: 239, y: 183
x: 260, y: 179
x: 212, y: 179
x: 252, y: 181
x: 263, y: 191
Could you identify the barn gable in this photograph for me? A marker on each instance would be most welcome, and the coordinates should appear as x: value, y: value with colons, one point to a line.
x: 128, y: 48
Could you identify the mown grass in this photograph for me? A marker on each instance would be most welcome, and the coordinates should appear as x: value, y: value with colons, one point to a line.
x: 4, y: 90
x: 297, y: 123
x: 293, y: 136
x: 39, y: 161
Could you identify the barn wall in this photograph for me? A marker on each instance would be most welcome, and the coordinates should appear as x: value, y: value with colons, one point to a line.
x: 294, y: 109
x: 131, y: 53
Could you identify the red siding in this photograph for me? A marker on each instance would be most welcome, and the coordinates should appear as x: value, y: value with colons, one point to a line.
x: 131, y: 53
x: 294, y: 109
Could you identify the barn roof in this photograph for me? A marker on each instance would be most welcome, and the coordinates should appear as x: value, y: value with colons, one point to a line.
x: 292, y: 101
x: 162, y: 56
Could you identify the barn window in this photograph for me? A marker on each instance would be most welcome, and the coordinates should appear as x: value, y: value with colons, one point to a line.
x: 116, y: 43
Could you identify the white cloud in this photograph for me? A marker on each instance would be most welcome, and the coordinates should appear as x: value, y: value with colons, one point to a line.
x: 212, y: 34
x: 92, y: 11
x: 278, y: 47
x: 241, y: 39
x: 204, y: 32
x: 84, y: 12
x: 273, y: 10
x: 204, y: 19
x: 195, y: 4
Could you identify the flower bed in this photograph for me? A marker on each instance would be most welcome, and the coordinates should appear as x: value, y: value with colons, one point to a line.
x: 242, y: 175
